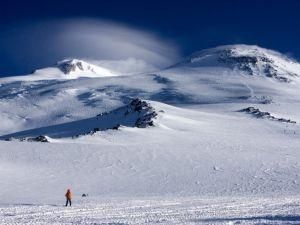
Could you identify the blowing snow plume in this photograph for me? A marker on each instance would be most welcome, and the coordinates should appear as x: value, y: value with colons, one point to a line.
x: 112, y: 45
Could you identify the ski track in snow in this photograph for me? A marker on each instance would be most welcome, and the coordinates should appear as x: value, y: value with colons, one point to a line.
x: 158, y: 211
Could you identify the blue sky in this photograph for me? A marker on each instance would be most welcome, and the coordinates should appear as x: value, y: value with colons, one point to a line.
x: 35, y: 34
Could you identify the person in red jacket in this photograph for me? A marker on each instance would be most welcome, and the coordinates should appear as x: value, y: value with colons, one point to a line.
x: 68, y: 197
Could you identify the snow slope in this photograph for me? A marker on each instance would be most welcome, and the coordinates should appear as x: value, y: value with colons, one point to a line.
x: 152, y: 211
x: 137, y: 113
x: 203, y: 142
x: 188, y: 152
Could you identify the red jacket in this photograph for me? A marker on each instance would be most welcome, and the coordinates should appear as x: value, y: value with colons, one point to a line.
x: 68, y: 194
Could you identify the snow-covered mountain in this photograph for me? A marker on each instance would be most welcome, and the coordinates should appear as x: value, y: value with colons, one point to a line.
x: 225, y: 123
x: 252, y: 60
x: 65, y: 69
x: 234, y: 74
x: 79, y: 68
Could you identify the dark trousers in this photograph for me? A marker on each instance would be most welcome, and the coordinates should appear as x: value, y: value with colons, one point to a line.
x: 68, y: 201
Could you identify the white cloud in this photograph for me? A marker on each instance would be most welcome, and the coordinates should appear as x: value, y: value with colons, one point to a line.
x: 115, y: 45
x: 126, y: 49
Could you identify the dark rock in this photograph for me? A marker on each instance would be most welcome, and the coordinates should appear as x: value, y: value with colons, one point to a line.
x: 146, y: 111
x: 249, y: 64
x: 116, y: 127
x: 69, y: 66
x: 265, y: 115
x: 40, y: 138
x: 144, y: 118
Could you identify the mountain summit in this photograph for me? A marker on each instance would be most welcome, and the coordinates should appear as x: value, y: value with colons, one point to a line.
x: 249, y: 59
x: 82, y: 68
x: 64, y: 70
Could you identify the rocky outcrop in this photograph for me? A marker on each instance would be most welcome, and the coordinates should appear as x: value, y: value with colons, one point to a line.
x: 69, y: 66
x: 146, y: 113
x: 137, y: 113
x: 39, y: 138
x: 258, y: 64
x: 141, y: 112
x: 248, y: 59
x: 264, y: 115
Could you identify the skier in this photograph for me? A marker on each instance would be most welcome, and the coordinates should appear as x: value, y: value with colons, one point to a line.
x: 68, y: 197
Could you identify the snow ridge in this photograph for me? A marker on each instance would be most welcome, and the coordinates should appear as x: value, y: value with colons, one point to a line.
x: 137, y: 113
